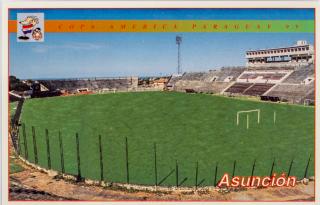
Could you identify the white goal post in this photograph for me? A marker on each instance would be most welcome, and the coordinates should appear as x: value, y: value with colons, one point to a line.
x: 248, y: 111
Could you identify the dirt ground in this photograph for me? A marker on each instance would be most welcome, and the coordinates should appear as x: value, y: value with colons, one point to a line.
x: 21, y: 192
x: 32, y: 184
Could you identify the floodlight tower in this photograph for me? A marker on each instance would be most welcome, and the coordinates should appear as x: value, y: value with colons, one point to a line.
x: 178, y: 42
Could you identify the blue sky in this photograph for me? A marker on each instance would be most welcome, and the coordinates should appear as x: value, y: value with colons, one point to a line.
x: 65, y: 55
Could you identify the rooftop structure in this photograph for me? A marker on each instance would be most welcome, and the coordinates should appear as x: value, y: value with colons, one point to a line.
x: 301, y: 54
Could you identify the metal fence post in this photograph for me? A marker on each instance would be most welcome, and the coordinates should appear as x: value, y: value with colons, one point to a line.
x: 35, y: 149
x: 177, y: 174
x: 215, y: 175
x: 234, y: 168
x: 272, y: 166
x: 155, y: 164
x: 25, y: 141
x: 19, y: 142
x: 61, y: 153
x: 289, y: 171
x: 127, y: 160
x: 48, y: 149
x: 306, y: 170
x: 101, y: 160
x: 197, y: 169
x: 78, y: 157
x: 252, y: 171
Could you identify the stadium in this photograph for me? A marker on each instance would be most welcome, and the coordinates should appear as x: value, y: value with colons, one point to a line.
x: 183, y: 130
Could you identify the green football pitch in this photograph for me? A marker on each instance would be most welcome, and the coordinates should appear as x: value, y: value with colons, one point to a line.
x: 187, y: 128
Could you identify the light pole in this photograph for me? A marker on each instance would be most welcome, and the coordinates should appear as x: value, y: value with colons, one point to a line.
x: 178, y: 42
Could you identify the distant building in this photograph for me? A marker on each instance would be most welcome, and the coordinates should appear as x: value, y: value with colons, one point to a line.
x: 300, y: 54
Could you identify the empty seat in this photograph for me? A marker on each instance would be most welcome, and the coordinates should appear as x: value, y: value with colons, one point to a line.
x: 300, y: 74
x: 258, y: 89
x: 238, y: 87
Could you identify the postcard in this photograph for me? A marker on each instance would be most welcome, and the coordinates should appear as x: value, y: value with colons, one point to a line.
x: 170, y: 104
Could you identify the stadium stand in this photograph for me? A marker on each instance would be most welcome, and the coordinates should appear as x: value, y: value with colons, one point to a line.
x: 258, y: 89
x: 300, y: 74
x: 263, y: 76
x: 200, y: 86
x: 297, y: 87
x: 72, y: 85
x: 293, y: 93
x: 214, y: 81
x: 223, y: 75
x: 211, y: 76
x: 287, y: 84
x: 218, y: 87
x: 173, y: 80
x: 194, y: 76
x: 238, y: 87
x: 229, y: 74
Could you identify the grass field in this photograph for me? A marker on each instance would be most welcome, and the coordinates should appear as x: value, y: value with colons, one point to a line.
x: 186, y: 127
